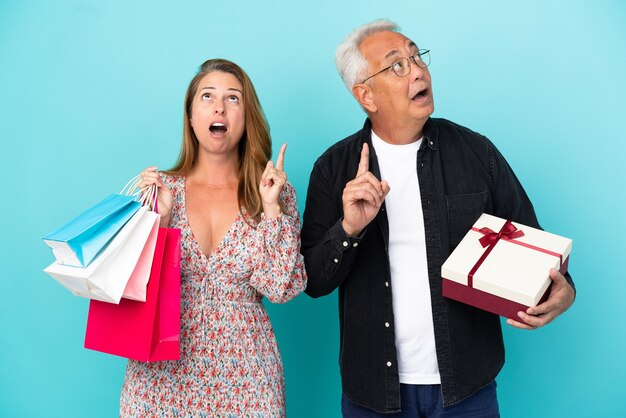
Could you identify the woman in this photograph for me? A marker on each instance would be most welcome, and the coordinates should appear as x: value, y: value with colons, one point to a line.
x: 240, y: 241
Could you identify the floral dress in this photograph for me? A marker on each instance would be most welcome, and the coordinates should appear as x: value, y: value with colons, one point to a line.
x: 229, y: 361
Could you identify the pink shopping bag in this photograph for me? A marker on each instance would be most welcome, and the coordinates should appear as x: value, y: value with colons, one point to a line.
x: 136, y: 288
x: 144, y: 331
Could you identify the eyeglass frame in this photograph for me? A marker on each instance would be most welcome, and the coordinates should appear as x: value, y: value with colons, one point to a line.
x: 419, y: 53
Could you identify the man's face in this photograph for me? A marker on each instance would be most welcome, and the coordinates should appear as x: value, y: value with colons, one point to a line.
x: 398, y: 101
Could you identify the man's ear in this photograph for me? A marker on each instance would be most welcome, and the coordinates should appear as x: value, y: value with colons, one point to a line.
x: 365, y: 96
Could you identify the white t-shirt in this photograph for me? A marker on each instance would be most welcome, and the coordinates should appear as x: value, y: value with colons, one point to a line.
x: 413, y: 319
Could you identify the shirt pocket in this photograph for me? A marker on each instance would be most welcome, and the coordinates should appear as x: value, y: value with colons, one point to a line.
x: 463, y: 211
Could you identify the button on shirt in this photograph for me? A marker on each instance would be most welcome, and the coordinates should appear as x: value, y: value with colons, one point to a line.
x: 413, y: 319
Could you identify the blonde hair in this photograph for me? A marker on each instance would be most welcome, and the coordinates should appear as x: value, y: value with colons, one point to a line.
x: 255, y: 146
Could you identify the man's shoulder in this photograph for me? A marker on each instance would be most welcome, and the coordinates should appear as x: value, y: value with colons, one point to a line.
x: 345, y: 149
x: 340, y: 160
x: 345, y: 145
x: 452, y: 137
x: 445, y: 127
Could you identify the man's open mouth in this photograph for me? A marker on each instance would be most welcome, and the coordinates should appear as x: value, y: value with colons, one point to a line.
x: 420, y: 94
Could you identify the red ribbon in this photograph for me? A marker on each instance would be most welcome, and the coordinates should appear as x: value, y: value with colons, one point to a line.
x: 507, y: 232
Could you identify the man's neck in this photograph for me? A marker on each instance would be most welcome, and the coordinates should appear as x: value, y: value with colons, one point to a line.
x: 399, y: 135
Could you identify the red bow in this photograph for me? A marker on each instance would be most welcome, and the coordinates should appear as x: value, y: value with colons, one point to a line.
x: 507, y: 232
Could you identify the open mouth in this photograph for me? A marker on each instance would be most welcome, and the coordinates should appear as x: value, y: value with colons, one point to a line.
x: 420, y: 94
x: 218, y: 128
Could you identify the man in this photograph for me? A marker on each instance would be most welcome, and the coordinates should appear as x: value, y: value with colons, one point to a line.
x: 385, y: 208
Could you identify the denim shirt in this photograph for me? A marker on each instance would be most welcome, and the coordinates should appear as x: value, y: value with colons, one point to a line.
x: 461, y: 175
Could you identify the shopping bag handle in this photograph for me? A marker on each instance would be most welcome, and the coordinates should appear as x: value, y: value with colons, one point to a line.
x: 130, y: 189
x: 147, y: 196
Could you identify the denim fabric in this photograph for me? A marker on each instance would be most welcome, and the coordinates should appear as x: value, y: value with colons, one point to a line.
x: 461, y: 175
x: 424, y: 401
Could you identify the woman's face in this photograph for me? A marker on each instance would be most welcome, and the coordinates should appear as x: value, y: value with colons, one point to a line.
x: 217, y: 113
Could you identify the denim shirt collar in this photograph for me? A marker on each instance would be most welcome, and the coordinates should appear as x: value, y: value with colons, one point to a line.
x: 430, y: 135
x: 430, y: 142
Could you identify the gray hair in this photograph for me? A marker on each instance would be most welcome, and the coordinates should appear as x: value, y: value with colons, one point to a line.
x: 350, y: 62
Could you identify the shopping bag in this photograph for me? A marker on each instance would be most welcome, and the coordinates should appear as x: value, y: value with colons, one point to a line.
x: 106, y: 277
x: 137, y: 284
x: 144, y: 331
x: 79, y: 241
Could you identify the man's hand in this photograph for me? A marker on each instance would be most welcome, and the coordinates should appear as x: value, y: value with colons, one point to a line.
x: 362, y: 197
x: 560, y: 299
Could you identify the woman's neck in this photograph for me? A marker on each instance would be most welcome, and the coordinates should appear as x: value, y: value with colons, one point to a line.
x: 216, y: 170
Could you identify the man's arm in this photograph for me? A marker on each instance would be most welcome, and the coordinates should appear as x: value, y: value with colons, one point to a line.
x: 512, y: 202
x: 328, y: 250
x: 322, y: 238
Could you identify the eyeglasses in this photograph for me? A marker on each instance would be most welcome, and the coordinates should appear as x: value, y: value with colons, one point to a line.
x: 402, y: 66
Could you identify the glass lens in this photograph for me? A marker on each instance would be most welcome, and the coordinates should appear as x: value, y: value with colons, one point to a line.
x: 424, y: 56
x: 401, y: 67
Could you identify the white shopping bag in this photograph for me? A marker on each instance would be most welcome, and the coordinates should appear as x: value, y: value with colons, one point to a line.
x: 108, y: 274
x: 138, y: 283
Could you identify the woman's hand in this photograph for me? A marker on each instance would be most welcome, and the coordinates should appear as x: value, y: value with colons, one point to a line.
x: 149, y: 177
x: 272, y: 182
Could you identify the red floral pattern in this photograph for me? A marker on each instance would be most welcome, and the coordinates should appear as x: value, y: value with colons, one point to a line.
x: 230, y: 365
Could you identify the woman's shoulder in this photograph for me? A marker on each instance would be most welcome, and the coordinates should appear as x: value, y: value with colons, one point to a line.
x: 172, y: 180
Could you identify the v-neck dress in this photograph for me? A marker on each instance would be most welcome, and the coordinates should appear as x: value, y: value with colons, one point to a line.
x: 229, y: 364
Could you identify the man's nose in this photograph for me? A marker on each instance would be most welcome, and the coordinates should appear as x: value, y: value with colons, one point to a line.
x: 417, y: 71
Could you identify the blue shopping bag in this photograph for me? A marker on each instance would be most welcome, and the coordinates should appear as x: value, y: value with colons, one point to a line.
x: 79, y: 241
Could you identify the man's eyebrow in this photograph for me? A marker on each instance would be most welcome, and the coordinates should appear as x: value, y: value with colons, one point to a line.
x: 397, y: 52
x: 391, y: 53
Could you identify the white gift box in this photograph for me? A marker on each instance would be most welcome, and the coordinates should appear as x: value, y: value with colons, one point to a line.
x: 510, y: 273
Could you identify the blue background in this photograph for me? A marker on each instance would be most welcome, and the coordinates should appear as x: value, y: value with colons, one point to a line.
x: 92, y: 92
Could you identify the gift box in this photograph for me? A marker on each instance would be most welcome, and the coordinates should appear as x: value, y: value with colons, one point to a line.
x: 504, y: 267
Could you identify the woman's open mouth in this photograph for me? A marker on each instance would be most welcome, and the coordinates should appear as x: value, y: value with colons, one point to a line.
x: 218, y: 128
